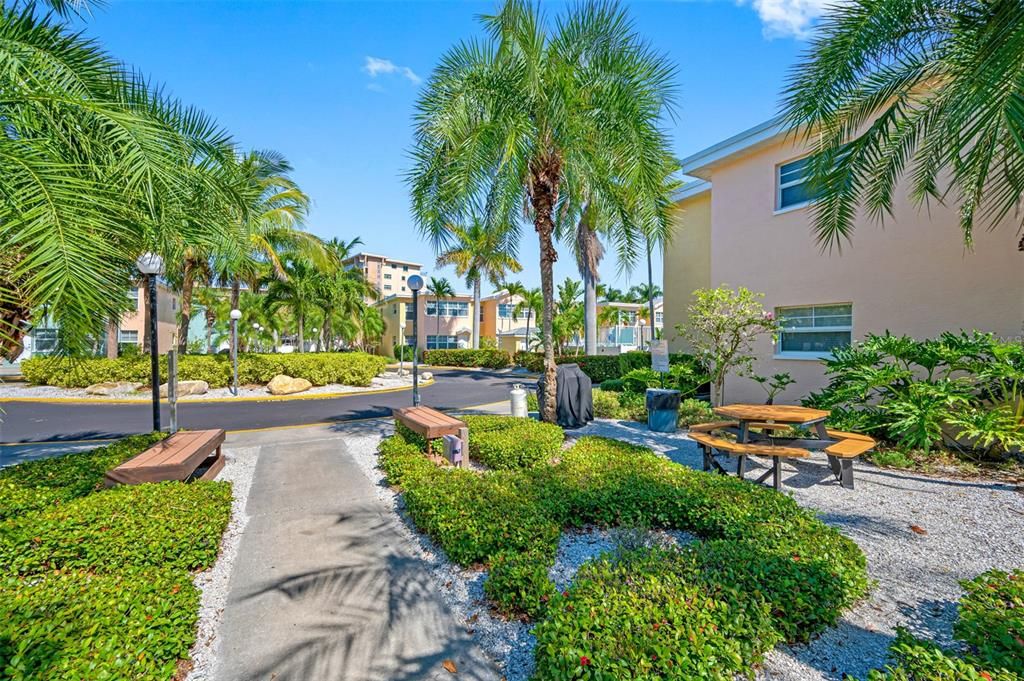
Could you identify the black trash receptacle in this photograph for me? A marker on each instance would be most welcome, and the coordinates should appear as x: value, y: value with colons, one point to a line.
x: 574, y: 401
x: 662, y: 410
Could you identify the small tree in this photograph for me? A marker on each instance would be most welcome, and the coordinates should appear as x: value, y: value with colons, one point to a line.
x: 722, y: 327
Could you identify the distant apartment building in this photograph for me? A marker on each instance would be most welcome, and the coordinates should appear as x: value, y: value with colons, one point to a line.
x: 442, y: 324
x: 747, y: 222
x: 624, y: 327
x: 388, y: 275
x: 44, y: 337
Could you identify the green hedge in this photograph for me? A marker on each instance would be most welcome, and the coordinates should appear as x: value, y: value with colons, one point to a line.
x: 602, y: 368
x: 35, y: 485
x: 490, y: 358
x: 97, y: 584
x: 320, y: 368
x: 767, y: 570
x: 500, y: 442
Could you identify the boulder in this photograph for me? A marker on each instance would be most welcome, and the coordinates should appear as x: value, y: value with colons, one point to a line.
x: 286, y: 385
x: 426, y: 376
x: 187, y: 388
x: 112, y: 388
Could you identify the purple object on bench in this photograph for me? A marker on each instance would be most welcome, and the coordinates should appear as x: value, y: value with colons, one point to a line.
x: 453, y: 449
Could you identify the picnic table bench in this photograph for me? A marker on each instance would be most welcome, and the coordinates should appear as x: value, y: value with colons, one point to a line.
x: 187, y: 455
x: 432, y: 424
x: 755, y: 427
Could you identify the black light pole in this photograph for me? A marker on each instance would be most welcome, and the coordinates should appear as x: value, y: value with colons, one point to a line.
x: 415, y: 283
x: 151, y: 266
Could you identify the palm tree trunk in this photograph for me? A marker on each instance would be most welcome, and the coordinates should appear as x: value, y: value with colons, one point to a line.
x: 327, y: 332
x: 210, y: 320
x: 476, y: 314
x: 546, y: 174
x: 588, y: 255
x: 187, y: 284
x: 302, y: 345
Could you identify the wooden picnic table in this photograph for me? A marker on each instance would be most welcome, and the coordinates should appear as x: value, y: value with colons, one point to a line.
x: 770, y: 416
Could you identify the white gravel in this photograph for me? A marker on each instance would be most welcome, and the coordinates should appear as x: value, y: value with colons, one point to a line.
x: 213, y: 583
x: 387, y: 380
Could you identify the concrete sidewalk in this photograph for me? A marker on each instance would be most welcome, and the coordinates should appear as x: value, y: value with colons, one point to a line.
x: 324, y: 585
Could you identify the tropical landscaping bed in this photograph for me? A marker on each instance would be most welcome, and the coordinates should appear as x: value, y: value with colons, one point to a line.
x: 98, y: 584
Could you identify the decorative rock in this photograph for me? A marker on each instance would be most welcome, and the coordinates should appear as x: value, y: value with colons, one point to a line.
x: 187, y: 388
x: 402, y: 372
x: 286, y: 385
x: 112, y: 388
x: 426, y: 376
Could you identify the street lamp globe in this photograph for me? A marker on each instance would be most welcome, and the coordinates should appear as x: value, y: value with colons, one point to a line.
x: 150, y: 264
x: 415, y: 282
x: 256, y: 325
x: 236, y: 314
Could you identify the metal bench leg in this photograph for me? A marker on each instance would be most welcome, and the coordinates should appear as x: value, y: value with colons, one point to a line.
x: 777, y: 472
x: 846, y: 477
x: 741, y: 465
x: 835, y: 465
x: 707, y: 455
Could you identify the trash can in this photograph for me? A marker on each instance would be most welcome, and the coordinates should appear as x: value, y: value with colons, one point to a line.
x: 574, y: 399
x: 662, y: 410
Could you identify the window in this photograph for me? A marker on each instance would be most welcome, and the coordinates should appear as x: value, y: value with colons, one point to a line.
x: 405, y: 268
x: 387, y: 276
x: 44, y: 341
x: 133, y: 294
x: 409, y: 312
x: 387, y: 287
x: 447, y: 308
x: 814, y: 331
x: 659, y: 317
x: 506, y: 310
x: 442, y: 343
x: 791, y: 185
x: 127, y: 338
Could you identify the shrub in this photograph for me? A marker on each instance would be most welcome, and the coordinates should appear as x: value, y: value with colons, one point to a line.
x: 615, y: 385
x: 991, y: 619
x: 503, y: 442
x: 321, y: 368
x: 168, y: 524
x: 606, y: 404
x: 47, y: 482
x: 692, y: 411
x: 518, y: 583
x: 917, y: 660
x: 659, y: 619
x: 602, y: 368
x: 639, y: 380
x: 491, y: 358
x: 74, y: 624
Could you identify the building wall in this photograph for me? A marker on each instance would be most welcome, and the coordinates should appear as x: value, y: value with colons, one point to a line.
x: 913, y: 276
x: 687, y: 259
x: 167, y: 304
x: 393, y: 312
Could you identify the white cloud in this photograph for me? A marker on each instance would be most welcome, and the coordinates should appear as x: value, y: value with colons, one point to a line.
x: 375, y: 66
x: 785, y: 18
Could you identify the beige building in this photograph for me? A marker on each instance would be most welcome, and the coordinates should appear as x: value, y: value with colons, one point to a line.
x: 746, y: 221
x: 442, y: 324
x: 388, y: 275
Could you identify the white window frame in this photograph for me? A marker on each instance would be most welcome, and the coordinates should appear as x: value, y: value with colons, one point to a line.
x: 443, y: 308
x: 779, y: 186
x: 794, y: 354
x: 450, y: 343
x: 509, y: 308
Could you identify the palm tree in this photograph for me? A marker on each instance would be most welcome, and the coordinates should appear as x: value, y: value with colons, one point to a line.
x: 440, y: 289
x: 96, y: 162
x: 927, y: 89
x: 535, y: 115
x: 480, y: 251
x: 213, y: 304
x: 343, y: 294
x: 297, y: 292
x: 531, y: 301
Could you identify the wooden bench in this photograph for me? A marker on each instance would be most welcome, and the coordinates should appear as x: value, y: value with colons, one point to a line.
x: 711, y: 443
x: 715, y: 425
x: 187, y: 455
x: 842, y: 453
x: 432, y: 424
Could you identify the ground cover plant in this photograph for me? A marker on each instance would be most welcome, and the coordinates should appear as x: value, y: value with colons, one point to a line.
x: 97, y: 584
x: 764, y: 571
x: 990, y: 623
x: 320, y: 368
x: 959, y: 392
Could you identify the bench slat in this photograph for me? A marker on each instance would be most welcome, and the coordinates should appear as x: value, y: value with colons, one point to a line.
x: 714, y: 425
x: 175, y: 458
x: 850, y: 448
x: 843, y: 435
x: 748, y: 449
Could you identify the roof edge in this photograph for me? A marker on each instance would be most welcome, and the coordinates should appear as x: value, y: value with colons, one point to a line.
x: 696, y: 163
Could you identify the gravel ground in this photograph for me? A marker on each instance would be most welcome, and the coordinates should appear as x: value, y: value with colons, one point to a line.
x: 213, y: 583
x: 921, y: 536
x: 7, y: 390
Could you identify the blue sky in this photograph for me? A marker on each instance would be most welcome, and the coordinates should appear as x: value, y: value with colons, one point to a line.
x: 332, y: 86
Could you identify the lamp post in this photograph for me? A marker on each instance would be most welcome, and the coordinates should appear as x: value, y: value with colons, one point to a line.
x: 642, y: 324
x: 415, y: 283
x: 236, y: 314
x: 151, y: 266
x: 256, y: 328
x: 315, y: 339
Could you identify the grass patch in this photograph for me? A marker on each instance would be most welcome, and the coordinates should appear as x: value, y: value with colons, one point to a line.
x: 766, y: 570
x: 97, y: 584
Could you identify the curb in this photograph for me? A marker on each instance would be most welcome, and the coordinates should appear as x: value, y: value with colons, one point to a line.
x: 212, y: 400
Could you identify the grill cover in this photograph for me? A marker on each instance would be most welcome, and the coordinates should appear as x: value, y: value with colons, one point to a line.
x: 574, y: 401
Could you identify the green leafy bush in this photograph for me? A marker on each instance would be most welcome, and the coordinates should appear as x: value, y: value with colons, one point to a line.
x: 321, y: 368
x: 168, y: 524
x: 490, y: 358
x: 660, y: 618
x: 606, y: 404
x: 602, y: 368
x: 39, y: 484
x: 920, y: 394
x: 615, y: 385
x: 991, y: 619
x: 518, y: 583
x: 916, y: 660
x: 503, y: 442
x: 766, y: 570
x: 693, y: 411
x: 639, y: 380
x: 75, y: 624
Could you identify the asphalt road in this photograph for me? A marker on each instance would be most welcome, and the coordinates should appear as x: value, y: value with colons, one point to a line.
x: 25, y: 422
